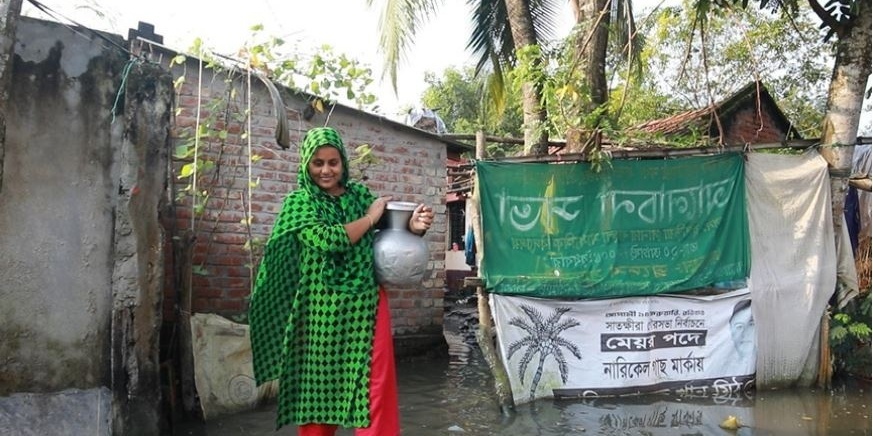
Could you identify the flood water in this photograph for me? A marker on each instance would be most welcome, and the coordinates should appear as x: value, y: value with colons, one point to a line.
x: 455, y: 396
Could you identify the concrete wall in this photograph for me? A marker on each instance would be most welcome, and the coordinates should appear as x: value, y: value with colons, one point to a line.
x: 81, y: 248
x: 56, y: 212
x: 69, y: 412
x: 56, y: 233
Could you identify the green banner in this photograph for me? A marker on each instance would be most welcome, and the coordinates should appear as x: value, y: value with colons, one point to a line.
x: 561, y: 230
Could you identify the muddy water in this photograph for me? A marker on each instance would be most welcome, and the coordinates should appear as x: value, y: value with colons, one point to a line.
x: 455, y: 396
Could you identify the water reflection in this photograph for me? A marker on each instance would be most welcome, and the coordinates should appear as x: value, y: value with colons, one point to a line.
x: 455, y: 396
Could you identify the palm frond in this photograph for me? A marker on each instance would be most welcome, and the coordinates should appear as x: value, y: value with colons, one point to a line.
x: 495, y: 92
x: 570, y: 346
x: 524, y: 326
x: 563, y: 366
x: 534, y: 316
x: 546, y: 16
x: 491, y: 39
x: 399, y: 21
x: 564, y: 325
x: 557, y: 314
x: 525, y: 361
x: 515, y: 346
x: 628, y: 41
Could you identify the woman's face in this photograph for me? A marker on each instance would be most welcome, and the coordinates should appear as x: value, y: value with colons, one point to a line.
x: 743, y: 331
x: 326, y: 170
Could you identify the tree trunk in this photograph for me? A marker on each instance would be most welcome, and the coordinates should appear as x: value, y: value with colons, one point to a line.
x: 591, y: 44
x: 592, y: 19
x: 839, y: 134
x: 523, y: 35
x: 846, y: 93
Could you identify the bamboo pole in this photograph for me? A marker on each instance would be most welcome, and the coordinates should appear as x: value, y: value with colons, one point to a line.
x: 485, y: 332
x: 643, y: 150
x: 825, y: 367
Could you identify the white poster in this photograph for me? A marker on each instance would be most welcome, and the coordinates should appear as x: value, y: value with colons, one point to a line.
x: 690, y: 345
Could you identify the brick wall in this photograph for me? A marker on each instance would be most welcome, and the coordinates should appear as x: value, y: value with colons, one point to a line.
x: 411, y: 168
x: 747, y: 126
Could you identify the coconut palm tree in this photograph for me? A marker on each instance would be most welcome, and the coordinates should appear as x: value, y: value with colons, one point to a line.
x: 502, y: 29
x: 596, y: 22
x: 543, y: 339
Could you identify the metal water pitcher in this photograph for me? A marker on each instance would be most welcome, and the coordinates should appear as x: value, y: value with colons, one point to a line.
x: 401, y: 257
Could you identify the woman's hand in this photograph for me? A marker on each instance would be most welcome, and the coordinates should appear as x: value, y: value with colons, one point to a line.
x: 421, y: 220
x: 358, y: 228
x: 377, y: 208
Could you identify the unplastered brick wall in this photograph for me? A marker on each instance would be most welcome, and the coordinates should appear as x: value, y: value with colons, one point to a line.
x: 750, y: 126
x: 243, y: 200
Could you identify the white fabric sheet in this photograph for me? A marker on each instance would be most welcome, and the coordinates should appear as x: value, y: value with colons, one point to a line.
x: 793, y: 262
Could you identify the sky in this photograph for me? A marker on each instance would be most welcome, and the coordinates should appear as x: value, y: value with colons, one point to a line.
x: 349, y: 26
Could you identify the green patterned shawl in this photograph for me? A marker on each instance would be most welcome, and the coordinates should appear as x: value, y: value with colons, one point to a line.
x: 312, y: 310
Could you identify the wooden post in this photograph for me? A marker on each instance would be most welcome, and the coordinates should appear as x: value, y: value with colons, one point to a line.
x: 485, y: 333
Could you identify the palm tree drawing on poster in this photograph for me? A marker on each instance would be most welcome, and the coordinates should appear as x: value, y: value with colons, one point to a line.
x: 543, y: 339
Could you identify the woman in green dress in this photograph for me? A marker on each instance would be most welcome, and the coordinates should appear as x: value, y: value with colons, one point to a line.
x: 320, y: 323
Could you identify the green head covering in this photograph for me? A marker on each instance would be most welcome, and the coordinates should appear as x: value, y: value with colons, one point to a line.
x: 315, y: 138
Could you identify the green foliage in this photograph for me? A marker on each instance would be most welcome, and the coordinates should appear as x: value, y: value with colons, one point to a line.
x: 362, y: 160
x: 738, y: 47
x: 680, y: 67
x: 199, y: 170
x: 457, y: 98
x: 565, y: 91
x: 321, y: 72
x: 599, y: 159
x: 850, y: 337
x: 466, y: 103
x: 677, y: 70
